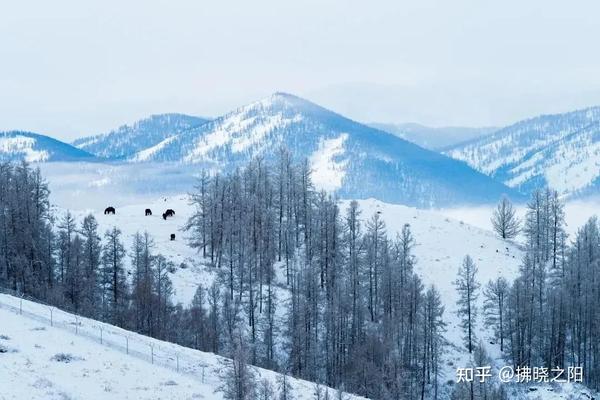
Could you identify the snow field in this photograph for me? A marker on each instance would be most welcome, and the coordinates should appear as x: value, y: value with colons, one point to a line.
x: 106, y: 361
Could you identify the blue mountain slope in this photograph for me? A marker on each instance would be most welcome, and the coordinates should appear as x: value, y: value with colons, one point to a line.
x: 560, y: 150
x: 31, y: 147
x: 129, y: 139
x: 346, y: 156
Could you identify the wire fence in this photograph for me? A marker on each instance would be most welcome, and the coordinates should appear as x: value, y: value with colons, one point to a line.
x: 131, y: 344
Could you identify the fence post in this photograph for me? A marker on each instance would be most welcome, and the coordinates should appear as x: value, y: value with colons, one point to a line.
x: 51, y: 317
x: 177, y: 356
x: 101, y: 329
x: 127, y: 344
x: 21, y: 305
x: 152, y: 352
x: 77, y: 325
x: 203, y: 366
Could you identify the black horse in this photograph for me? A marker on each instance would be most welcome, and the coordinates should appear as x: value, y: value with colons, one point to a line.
x: 172, y: 236
x: 170, y: 212
x: 109, y: 210
x: 148, y: 212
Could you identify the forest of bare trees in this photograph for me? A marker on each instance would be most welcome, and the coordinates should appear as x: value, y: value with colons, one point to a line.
x: 306, y: 288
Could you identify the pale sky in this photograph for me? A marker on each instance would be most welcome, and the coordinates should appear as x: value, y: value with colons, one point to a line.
x: 74, y: 68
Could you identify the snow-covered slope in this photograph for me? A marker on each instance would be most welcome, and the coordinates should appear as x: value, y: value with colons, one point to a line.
x: 441, y: 244
x: 79, y: 358
x: 189, y: 268
x: 141, y: 136
x: 434, y: 138
x: 31, y: 147
x: 562, y: 151
x: 357, y: 160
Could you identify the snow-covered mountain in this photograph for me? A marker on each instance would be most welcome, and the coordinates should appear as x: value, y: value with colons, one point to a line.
x: 31, y: 147
x: 354, y: 159
x: 561, y: 151
x: 130, y: 139
x: 434, y: 138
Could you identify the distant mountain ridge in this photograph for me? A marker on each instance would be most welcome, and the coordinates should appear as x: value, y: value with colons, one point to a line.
x: 129, y: 139
x: 434, y: 138
x: 33, y: 147
x: 346, y: 157
x: 352, y: 158
x: 558, y: 150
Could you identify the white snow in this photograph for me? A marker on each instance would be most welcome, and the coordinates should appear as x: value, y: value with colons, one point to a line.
x: 106, y: 361
x: 244, y: 130
x: 131, y: 219
x: 441, y: 244
x: 146, y: 154
x: 574, y: 167
x: 562, y: 150
x: 23, y: 145
x: 577, y: 212
x: 442, y: 241
x: 328, y: 172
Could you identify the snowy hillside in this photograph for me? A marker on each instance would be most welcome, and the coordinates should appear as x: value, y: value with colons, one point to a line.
x: 190, y: 271
x: 61, y: 356
x: 356, y: 160
x: 562, y: 151
x: 442, y: 243
x: 434, y: 138
x: 140, y: 136
x: 31, y: 147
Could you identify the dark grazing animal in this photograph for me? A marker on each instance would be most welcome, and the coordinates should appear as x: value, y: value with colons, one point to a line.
x: 170, y: 212
x: 165, y: 216
x: 109, y: 210
x: 172, y: 236
x: 148, y: 212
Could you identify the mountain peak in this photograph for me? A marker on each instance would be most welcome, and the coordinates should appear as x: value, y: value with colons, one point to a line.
x: 345, y: 156
x: 284, y: 99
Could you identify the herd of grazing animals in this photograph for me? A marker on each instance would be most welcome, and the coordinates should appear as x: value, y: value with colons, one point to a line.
x: 169, y: 213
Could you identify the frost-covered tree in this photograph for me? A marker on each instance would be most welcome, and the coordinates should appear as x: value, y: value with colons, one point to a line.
x: 286, y: 391
x: 238, y: 381
x: 504, y: 219
x: 92, y: 251
x: 496, y: 293
x: 468, y: 291
x: 115, y: 288
x: 265, y: 390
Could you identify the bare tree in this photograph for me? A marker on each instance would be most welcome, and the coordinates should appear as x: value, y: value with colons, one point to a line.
x: 504, y: 219
x: 467, y: 287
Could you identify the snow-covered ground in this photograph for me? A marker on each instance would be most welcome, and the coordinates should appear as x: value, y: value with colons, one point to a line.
x: 577, y: 212
x: 441, y: 245
x: 443, y: 238
x: 78, y: 358
x: 190, y: 270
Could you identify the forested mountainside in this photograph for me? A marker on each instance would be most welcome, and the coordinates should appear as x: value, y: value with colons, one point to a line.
x: 354, y: 159
x: 130, y: 139
x: 313, y: 290
x: 561, y: 151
